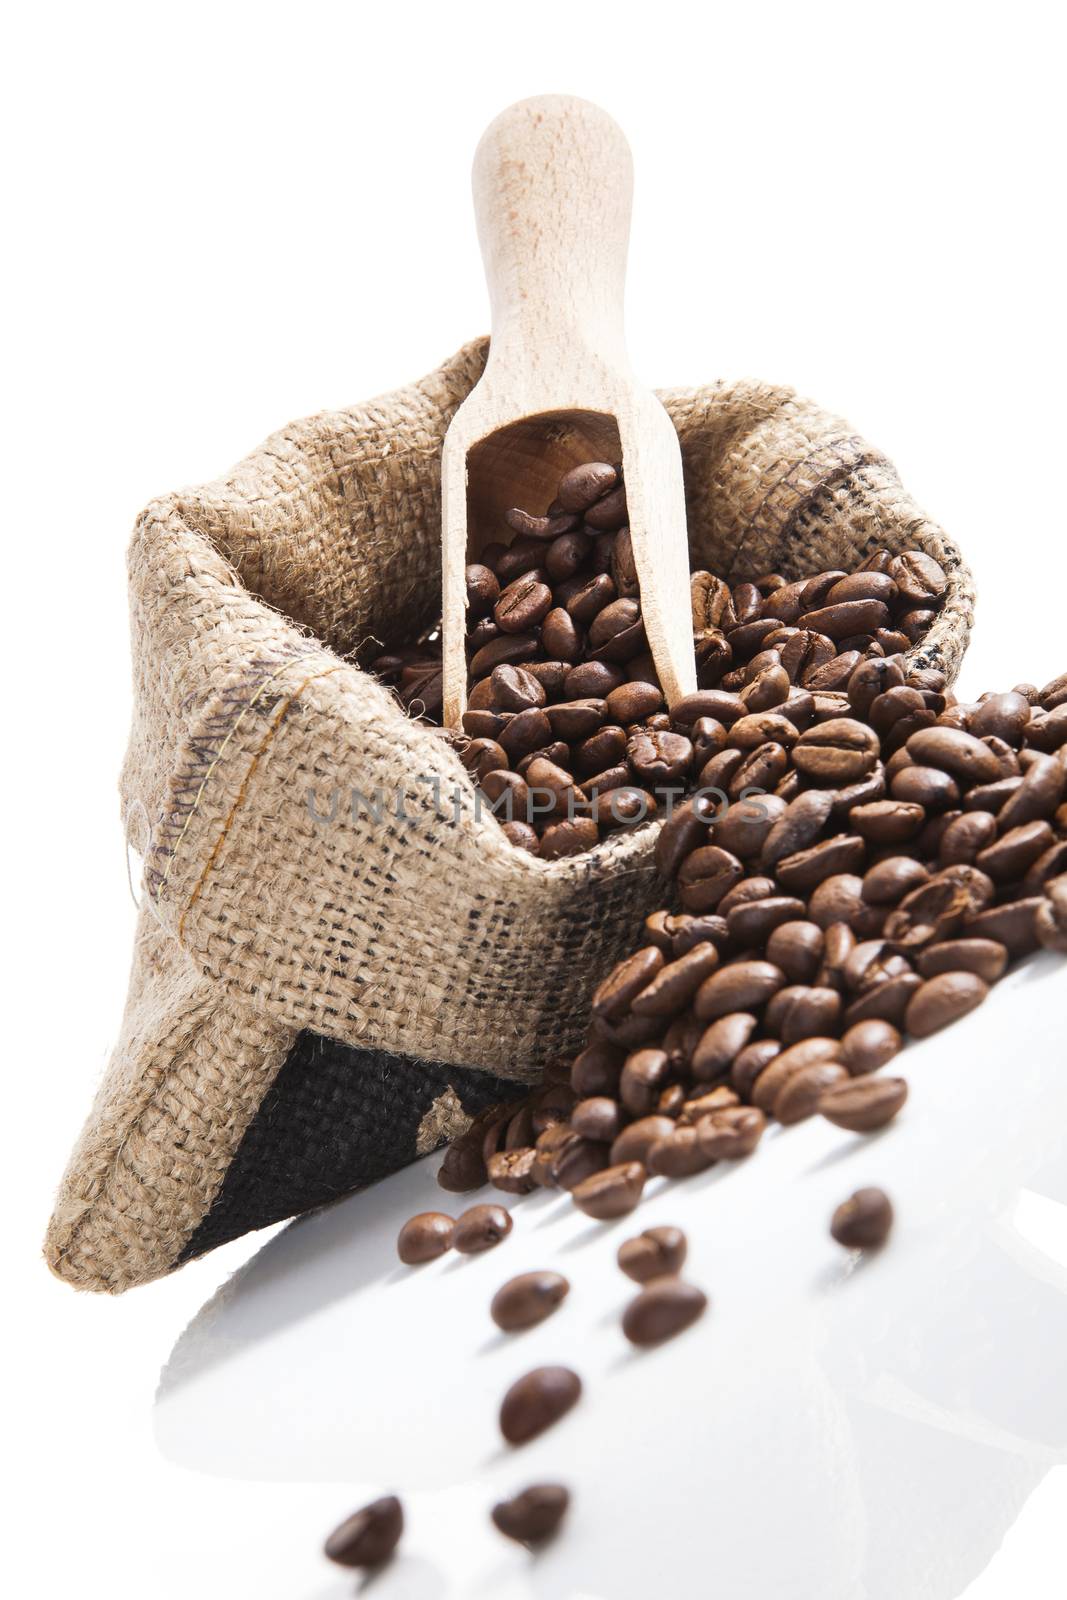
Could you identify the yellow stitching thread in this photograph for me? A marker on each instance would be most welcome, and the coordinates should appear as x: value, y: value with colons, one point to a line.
x: 264, y: 686
x: 242, y: 791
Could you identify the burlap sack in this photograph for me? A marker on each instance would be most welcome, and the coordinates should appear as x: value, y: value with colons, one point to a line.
x: 326, y: 985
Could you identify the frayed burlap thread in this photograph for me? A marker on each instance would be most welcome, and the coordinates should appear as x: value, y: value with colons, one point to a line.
x: 317, y: 859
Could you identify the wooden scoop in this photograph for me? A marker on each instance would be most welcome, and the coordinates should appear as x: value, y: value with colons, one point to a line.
x: 553, y: 182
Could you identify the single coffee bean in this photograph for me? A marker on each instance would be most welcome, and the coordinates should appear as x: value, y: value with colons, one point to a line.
x: 942, y: 1000
x: 508, y: 647
x: 537, y: 1400
x: 424, y: 1237
x: 863, y: 1104
x: 720, y: 1044
x: 1010, y: 857
x: 480, y: 1228
x: 836, y: 752
x: 797, y: 948
x: 772, y: 1080
x: 849, y: 617
x: 928, y: 787
x: 869, y: 963
x: 483, y: 590
x: 568, y: 838
x: 840, y: 899
x: 584, y: 485
x: 656, y: 1253
x: 679, y: 1155
x: 732, y: 1133
x: 528, y: 1299
x: 540, y: 528
x: 919, y: 578
x: 369, y: 1536
x: 1003, y: 715
x: 665, y: 1307
x: 598, y: 1117
x: 643, y: 1077
x: 802, y: 1012
x: 675, y: 984
x: 802, y: 1093
x: 577, y: 1159
x: 701, y: 1102
x: 887, y: 821
x: 743, y: 827
x: 960, y: 754
x: 866, y: 1046
x: 984, y: 957
x: 533, y: 1516
x: 885, y: 1002
x: 864, y: 1221
x: 612, y: 999
x: 797, y: 828
x: 1011, y: 925
x: 740, y: 987
x: 636, y: 1140
x: 889, y: 880
x: 964, y: 837
x: 611, y: 1193
x: 511, y: 1171
x: 752, y: 923
x: 750, y: 1062
x: 705, y: 876
x: 1038, y: 795
x: 659, y: 759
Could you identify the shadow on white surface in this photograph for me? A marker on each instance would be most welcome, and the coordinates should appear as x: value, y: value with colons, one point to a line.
x: 836, y: 1425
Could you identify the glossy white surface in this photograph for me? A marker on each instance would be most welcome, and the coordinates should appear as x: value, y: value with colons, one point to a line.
x: 837, y: 1424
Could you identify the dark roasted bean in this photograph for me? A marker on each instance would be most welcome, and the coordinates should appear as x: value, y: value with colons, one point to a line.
x: 611, y: 1193
x: 528, y: 1299
x: 863, y: 1221
x: 369, y: 1536
x: 863, y: 1104
x: 664, y: 1308
x: 802, y: 1091
x: 424, y: 1237
x: 533, y: 1516
x: 942, y: 1000
x: 656, y: 1253
x: 537, y: 1400
x: 866, y: 1046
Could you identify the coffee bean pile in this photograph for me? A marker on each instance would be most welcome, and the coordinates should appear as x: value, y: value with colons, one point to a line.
x: 566, y: 729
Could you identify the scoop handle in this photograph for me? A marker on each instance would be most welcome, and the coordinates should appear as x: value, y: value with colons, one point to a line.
x: 553, y: 191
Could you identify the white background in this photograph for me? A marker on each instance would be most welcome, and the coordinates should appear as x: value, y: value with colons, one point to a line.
x: 221, y: 217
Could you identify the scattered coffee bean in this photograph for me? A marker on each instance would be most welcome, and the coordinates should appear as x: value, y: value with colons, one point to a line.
x: 863, y: 1104
x: 480, y: 1228
x: 369, y: 1536
x: 863, y: 1222
x: 528, y: 1299
x: 537, y: 1400
x: 656, y: 1253
x: 533, y: 1516
x: 425, y: 1237
x: 611, y: 1193
x: 942, y: 1000
x: 665, y: 1307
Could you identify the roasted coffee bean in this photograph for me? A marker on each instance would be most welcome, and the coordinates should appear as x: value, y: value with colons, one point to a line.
x: 836, y: 752
x: 636, y: 1140
x: 483, y: 590
x: 942, y: 1000
x: 631, y: 702
x: 576, y: 719
x: 919, y: 578
x: 964, y: 837
x: 1038, y: 795
x: 523, y: 605
x: 656, y: 1253
x: 584, y: 485
x: 760, y: 772
x: 597, y: 1069
x: 802, y: 1092
x: 1009, y: 859
x: 798, y: 827
x: 425, y: 1237
x: 864, y: 1221
x: 960, y: 754
x: 679, y: 1155
x: 537, y: 1400
x: 840, y: 899
x: 1003, y: 715
x: 867, y: 1046
x: 705, y: 876
x: 1011, y: 925
x: 720, y: 1044
x: 863, y: 1104
x: 752, y: 923
x: 566, y: 555
x: 512, y: 1171
x: 742, y: 829
x: 928, y: 787
x: 524, y: 733
x: 846, y: 618
x: 539, y: 528
x: 508, y: 647
x: 480, y: 1228
x: 533, y: 1516
x: 482, y: 756
x: 724, y: 708
x: 885, y: 1002
x: 1049, y: 865
x: 787, y: 1063
x: 888, y: 881
x: 802, y: 1012
x: 701, y: 1102
x: 750, y: 1062
x: 984, y: 957
x: 797, y: 948
x: 522, y: 836
x: 611, y: 1193
x: 614, y: 996
x: 870, y: 962
x: 887, y: 821
x: 369, y: 1536
x: 659, y: 759
x: 740, y: 987
x: 938, y: 909
x: 524, y: 1301
x: 568, y: 838
x: 598, y: 1117
x: 643, y: 1076
x: 576, y: 1160
x: 732, y: 1133
x: 665, y: 1307
x: 675, y: 984
x: 744, y: 893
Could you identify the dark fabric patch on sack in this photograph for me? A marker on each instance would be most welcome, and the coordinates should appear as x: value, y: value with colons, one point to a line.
x: 335, y: 1119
